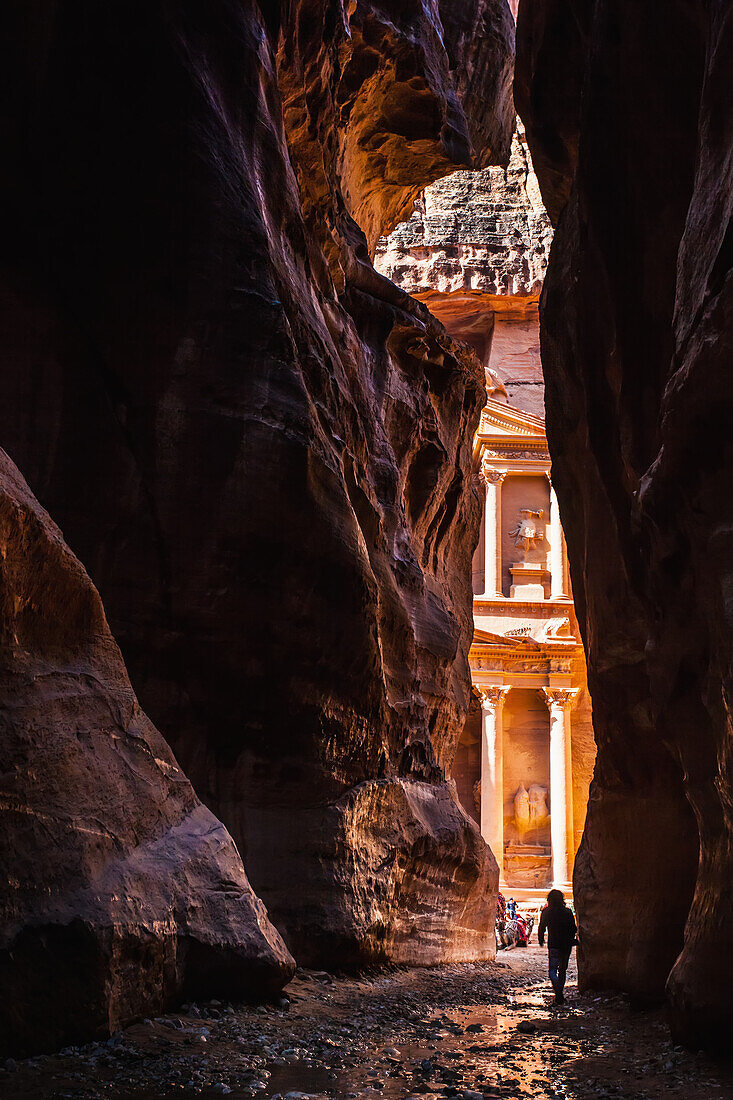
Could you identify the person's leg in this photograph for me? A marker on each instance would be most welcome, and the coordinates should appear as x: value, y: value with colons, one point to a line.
x: 562, y: 974
x: 555, y: 961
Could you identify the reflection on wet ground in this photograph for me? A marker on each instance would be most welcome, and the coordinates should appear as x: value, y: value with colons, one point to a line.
x: 473, y: 1032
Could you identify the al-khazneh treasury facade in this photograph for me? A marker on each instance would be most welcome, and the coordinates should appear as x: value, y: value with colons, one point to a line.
x: 475, y: 251
x: 525, y: 759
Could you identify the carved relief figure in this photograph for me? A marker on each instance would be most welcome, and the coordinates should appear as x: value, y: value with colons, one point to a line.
x: 521, y: 809
x: 558, y: 628
x: 489, y: 474
x: 527, y: 531
x: 537, y: 806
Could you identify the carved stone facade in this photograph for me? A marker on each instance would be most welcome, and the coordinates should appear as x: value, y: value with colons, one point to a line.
x: 527, y: 750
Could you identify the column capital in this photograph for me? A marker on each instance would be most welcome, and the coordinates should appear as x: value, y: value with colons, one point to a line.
x: 493, y: 696
x: 490, y: 475
x: 563, y: 697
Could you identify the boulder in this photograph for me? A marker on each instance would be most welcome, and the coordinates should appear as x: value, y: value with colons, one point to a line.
x: 417, y: 886
x: 120, y: 891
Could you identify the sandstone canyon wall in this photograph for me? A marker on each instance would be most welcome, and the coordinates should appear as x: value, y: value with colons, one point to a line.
x: 629, y: 117
x: 120, y: 891
x: 259, y: 448
x: 475, y: 250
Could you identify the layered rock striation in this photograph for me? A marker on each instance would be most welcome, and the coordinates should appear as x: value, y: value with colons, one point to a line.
x: 629, y: 120
x: 120, y: 891
x: 475, y: 251
x: 481, y: 232
x: 259, y: 447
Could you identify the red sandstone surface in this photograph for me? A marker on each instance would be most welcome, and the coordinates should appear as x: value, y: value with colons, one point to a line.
x: 258, y: 447
x: 628, y: 116
x: 260, y: 450
x: 475, y: 252
x: 120, y: 891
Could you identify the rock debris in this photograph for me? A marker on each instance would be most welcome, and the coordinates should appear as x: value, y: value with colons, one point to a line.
x: 454, y: 1031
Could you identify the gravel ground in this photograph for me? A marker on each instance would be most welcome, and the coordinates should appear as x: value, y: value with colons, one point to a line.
x: 471, y: 1032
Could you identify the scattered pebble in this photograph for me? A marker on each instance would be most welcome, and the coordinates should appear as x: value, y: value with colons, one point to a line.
x: 449, y: 1032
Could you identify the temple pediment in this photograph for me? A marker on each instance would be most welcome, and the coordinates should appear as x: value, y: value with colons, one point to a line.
x: 504, y: 423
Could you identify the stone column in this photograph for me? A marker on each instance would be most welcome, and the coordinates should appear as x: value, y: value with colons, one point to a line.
x: 559, y: 701
x: 492, y: 533
x: 492, y: 770
x: 557, y: 557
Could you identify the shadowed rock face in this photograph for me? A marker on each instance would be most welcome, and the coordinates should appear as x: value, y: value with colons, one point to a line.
x: 259, y: 448
x: 632, y: 149
x: 120, y: 891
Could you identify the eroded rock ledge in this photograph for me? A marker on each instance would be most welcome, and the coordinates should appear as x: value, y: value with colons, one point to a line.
x: 259, y: 448
x: 629, y: 121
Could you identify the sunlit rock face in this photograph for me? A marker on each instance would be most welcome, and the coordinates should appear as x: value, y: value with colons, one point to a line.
x: 475, y: 251
x: 261, y: 449
x: 481, y: 232
x: 120, y: 891
x: 630, y: 122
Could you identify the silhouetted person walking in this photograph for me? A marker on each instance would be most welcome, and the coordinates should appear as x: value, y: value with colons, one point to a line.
x: 559, y: 924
